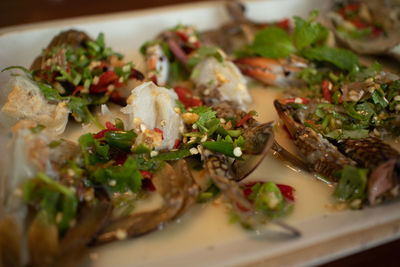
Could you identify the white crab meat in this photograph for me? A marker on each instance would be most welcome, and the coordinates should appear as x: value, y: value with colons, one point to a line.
x: 26, y: 101
x: 150, y: 107
x: 157, y: 64
x: 226, y: 78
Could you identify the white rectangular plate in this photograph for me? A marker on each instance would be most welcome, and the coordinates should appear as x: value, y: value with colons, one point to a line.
x: 204, y: 236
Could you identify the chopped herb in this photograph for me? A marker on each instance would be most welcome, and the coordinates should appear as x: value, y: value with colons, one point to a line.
x: 272, y: 42
x: 120, y: 139
x: 352, y: 183
x: 119, y: 178
x: 173, y: 155
x: 53, y: 198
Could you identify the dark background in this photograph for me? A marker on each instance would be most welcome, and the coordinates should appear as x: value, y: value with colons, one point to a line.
x: 14, y: 12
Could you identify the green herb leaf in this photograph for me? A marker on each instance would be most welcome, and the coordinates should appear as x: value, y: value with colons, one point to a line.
x: 207, y: 121
x: 341, y: 58
x: 120, y: 178
x: 120, y: 139
x: 352, y: 183
x: 53, y: 198
x: 223, y: 147
x: 49, y: 92
x: 272, y: 42
x: 378, y: 96
x: 173, y: 155
x: 308, y: 32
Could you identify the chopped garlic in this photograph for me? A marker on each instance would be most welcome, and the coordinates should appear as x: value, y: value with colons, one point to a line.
x: 237, y: 151
x: 194, y: 151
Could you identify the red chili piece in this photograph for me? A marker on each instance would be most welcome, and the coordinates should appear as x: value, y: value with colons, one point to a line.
x: 77, y: 89
x: 177, y: 143
x: 110, y: 127
x: 304, y: 100
x: 325, y: 90
x: 244, y: 120
x: 287, y: 191
x: 186, y: 98
x: 159, y: 131
x: 183, y: 36
x: 107, y: 78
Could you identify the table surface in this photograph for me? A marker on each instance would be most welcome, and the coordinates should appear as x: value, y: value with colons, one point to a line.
x: 14, y: 12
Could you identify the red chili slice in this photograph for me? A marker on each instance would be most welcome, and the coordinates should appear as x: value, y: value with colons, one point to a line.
x: 159, y: 131
x: 77, y: 89
x: 186, y: 98
x: 304, y: 100
x: 244, y: 120
x: 146, y: 174
x: 177, y: 143
x: 105, y: 80
x: 287, y: 191
x: 109, y: 127
x: 182, y: 35
x: 325, y: 90
x: 359, y: 24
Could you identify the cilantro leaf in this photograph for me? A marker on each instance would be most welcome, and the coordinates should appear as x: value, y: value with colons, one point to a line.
x: 207, y: 121
x: 272, y: 42
x: 92, y: 150
x: 341, y: 58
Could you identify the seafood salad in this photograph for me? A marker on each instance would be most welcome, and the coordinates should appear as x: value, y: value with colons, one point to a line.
x: 181, y: 131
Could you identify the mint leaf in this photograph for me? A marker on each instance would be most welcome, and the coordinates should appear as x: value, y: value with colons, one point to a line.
x: 307, y: 33
x: 207, y: 120
x: 272, y: 43
x: 341, y: 58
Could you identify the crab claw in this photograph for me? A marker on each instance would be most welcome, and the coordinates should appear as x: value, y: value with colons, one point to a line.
x: 292, y: 126
x: 275, y: 72
x: 259, y: 140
